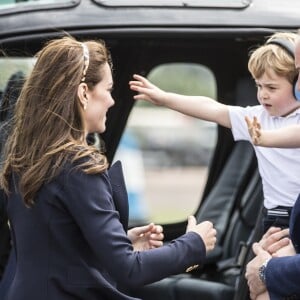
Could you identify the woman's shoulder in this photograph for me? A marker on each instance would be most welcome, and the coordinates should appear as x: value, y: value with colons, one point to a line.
x: 72, y: 178
x: 80, y: 167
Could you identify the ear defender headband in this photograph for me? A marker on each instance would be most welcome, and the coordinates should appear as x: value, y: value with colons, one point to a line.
x: 290, y: 49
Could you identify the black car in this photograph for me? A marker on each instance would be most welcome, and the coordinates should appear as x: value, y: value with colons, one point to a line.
x: 174, y: 165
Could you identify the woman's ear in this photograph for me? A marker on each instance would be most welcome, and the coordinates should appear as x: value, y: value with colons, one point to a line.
x: 82, y: 94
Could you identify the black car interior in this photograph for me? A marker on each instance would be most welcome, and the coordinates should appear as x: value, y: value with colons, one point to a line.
x: 232, y: 205
x: 233, y: 193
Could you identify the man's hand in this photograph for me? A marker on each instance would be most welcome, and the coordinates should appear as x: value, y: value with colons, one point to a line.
x: 256, y: 286
x: 275, y: 239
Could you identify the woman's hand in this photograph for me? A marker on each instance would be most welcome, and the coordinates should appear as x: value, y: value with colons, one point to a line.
x: 146, y: 237
x: 206, y: 231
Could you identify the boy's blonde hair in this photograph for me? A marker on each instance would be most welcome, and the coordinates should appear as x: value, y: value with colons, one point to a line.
x: 273, y: 57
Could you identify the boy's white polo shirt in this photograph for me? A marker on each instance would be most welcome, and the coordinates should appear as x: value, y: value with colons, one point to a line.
x: 279, y: 167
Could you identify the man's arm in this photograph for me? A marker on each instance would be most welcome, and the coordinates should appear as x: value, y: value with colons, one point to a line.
x: 282, y: 276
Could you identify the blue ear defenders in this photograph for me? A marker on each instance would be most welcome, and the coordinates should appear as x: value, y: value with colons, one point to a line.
x: 296, y: 91
x: 289, y: 48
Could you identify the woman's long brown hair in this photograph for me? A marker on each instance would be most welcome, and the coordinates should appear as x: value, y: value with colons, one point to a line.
x: 48, y: 126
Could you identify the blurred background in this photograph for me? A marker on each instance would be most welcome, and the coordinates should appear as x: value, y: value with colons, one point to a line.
x: 166, y: 154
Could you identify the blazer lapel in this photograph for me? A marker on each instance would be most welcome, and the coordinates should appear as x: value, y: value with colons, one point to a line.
x: 120, y: 195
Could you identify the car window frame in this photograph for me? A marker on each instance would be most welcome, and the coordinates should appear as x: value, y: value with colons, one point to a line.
x: 237, y: 4
x: 21, y: 7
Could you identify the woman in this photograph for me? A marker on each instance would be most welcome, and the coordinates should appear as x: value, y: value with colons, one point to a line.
x: 67, y: 234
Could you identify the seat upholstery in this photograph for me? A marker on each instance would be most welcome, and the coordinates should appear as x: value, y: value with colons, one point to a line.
x: 225, y: 197
x: 218, y: 282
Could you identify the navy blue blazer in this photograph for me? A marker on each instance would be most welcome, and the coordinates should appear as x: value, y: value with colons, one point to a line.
x: 8, y: 266
x: 283, y: 273
x: 4, y: 234
x: 72, y: 245
x: 6, y: 269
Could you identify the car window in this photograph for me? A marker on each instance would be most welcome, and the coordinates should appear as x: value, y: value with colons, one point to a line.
x: 166, y: 154
x: 35, y: 2
x: 12, y: 65
x: 19, y: 5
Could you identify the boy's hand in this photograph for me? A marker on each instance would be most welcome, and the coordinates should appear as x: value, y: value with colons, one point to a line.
x: 254, y: 129
x: 146, y: 90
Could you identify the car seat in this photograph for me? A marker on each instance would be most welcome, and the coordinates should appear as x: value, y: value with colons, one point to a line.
x: 218, y: 280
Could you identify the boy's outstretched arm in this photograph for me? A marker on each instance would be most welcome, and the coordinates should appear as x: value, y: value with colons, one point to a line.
x: 200, y: 107
x: 286, y: 137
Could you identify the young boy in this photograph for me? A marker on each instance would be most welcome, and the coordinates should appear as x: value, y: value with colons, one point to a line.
x: 280, y: 275
x: 274, y: 71
x: 286, y: 268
